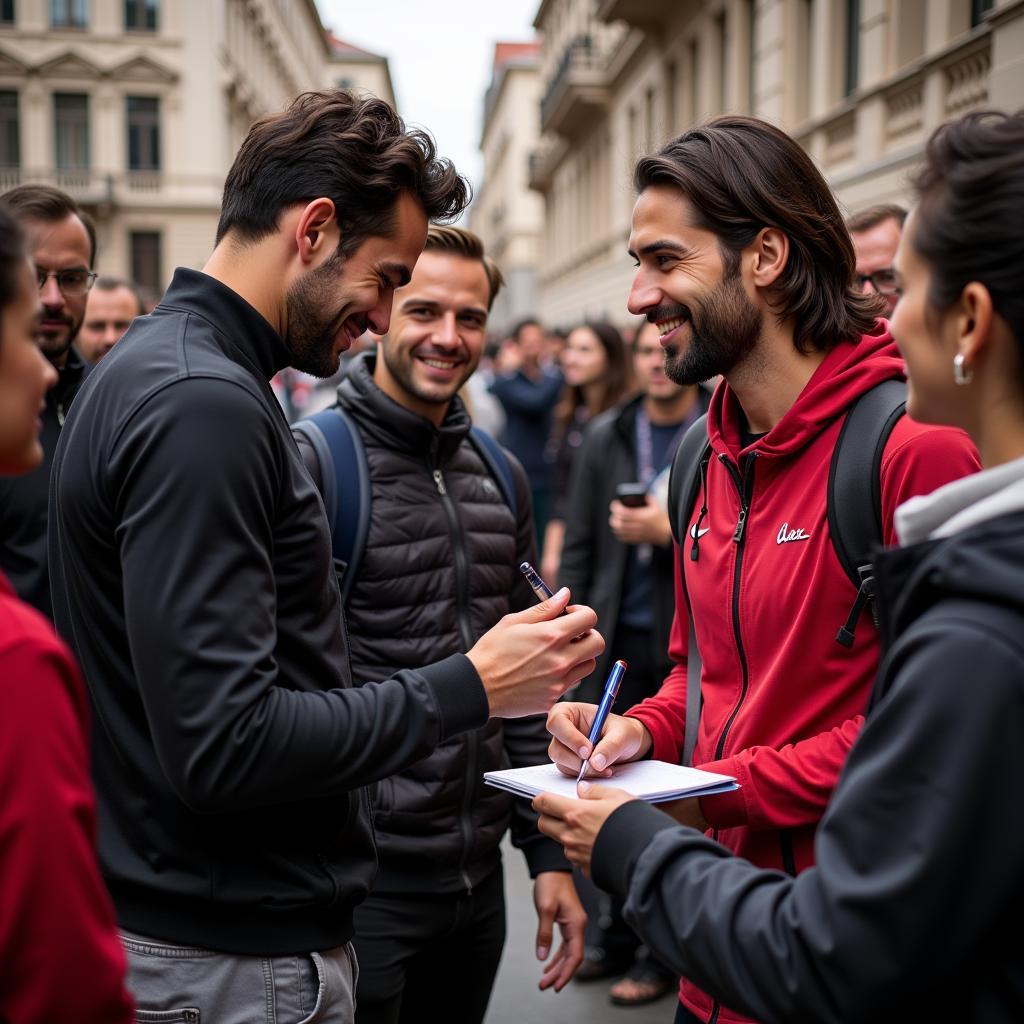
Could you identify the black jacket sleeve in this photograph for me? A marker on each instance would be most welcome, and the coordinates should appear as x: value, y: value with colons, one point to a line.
x: 200, y: 594
x: 918, y: 855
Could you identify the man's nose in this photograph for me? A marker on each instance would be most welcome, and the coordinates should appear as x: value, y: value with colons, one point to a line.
x: 447, y: 332
x: 642, y: 295
x: 50, y: 294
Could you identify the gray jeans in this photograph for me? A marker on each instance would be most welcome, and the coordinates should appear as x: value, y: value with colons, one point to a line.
x: 185, y: 985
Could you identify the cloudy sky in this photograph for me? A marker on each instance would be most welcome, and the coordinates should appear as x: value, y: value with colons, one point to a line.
x: 440, y: 56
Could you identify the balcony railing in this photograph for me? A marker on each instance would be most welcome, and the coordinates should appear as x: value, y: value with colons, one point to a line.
x: 577, y: 83
x: 103, y: 191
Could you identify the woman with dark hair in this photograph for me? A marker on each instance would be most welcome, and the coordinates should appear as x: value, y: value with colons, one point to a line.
x: 60, y: 957
x: 596, y: 369
x: 910, y: 910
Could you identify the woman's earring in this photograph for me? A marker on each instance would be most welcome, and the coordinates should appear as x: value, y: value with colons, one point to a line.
x: 961, y: 374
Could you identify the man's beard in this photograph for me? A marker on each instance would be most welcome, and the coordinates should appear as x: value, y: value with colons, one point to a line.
x: 724, y: 329
x: 313, y: 320
x: 56, y: 348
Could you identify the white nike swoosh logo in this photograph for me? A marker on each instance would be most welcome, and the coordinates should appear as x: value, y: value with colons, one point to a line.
x: 697, y: 534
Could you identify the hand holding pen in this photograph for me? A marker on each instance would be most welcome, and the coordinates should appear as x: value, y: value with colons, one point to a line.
x: 611, y: 691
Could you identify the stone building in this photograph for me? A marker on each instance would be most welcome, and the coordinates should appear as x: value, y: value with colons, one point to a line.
x: 506, y: 213
x: 136, y: 108
x: 860, y: 83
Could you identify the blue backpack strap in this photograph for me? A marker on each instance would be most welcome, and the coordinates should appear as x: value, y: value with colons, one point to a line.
x: 345, y: 487
x: 496, y: 460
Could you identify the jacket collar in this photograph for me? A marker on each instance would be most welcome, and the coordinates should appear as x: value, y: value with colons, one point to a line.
x: 848, y: 371
x: 392, y: 425
x: 248, y: 334
x: 962, y: 504
x: 69, y: 380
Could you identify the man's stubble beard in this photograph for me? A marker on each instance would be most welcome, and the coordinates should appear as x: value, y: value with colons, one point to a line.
x: 724, y: 329
x: 312, y: 320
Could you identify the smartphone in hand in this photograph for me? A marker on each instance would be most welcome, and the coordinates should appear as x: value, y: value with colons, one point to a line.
x: 632, y: 495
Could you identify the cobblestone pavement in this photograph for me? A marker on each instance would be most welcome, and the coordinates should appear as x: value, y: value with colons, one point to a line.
x: 516, y: 998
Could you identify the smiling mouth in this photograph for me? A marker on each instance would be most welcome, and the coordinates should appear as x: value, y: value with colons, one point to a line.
x: 438, y: 364
x: 669, y: 327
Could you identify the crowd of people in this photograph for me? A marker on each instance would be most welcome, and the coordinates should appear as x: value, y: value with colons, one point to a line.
x: 253, y: 667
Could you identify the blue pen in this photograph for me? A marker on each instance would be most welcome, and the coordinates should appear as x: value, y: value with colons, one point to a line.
x: 611, y: 691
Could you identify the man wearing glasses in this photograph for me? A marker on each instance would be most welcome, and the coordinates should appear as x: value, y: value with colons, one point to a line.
x: 876, y: 234
x: 62, y: 246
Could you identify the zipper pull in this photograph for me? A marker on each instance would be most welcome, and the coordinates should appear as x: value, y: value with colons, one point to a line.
x: 439, y: 482
x: 741, y: 525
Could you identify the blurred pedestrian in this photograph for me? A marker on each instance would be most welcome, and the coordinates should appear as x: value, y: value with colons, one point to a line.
x: 911, y: 909
x: 60, y: 958
x: 528, y: 388
x: 62, y: 246
x: 597, y: 377
x: 111, y: 307
x: 192, y: 566
x: 876, y: 234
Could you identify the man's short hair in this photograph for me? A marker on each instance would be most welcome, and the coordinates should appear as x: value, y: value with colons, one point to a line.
x: 527, y: 321
x: 355, y: 151
x: 49, y: 205
x: 112, y: 284
x: 460, y: 242
x: 741, y: 175
x: 865, y: 220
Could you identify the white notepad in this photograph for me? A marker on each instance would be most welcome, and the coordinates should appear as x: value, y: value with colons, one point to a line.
x: 653, y: 781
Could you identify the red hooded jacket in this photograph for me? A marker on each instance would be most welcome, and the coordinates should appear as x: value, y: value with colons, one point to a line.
x: 60, y: 956
x: 783, y: 700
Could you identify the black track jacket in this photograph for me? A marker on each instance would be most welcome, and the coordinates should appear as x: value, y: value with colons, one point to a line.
x: 192, y: 574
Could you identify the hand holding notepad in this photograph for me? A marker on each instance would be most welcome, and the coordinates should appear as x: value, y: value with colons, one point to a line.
x: 653, y: 781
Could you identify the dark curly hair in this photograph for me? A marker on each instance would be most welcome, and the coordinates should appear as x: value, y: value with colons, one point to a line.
x: 742, y: 174
x: 354, y: 150
x: 969, y: 222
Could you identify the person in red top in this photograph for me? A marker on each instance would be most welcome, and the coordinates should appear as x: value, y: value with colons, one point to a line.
x: 60, y: 957
x: 744, y: 263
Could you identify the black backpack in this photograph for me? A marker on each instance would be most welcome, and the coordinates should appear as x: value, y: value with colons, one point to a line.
x: 854, y: 510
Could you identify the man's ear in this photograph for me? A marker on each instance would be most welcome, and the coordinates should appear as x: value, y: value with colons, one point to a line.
x: 973, y: 319
x: 768, y: 253
x: 316, y: 230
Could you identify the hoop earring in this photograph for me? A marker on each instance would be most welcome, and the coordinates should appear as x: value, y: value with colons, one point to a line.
x: 961, y: 374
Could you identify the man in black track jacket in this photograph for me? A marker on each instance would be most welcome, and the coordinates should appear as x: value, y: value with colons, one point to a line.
x: 439, y: 568
x: 192, y: 574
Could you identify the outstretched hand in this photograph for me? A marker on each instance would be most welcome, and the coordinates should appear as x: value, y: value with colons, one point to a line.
x: 576, y: 823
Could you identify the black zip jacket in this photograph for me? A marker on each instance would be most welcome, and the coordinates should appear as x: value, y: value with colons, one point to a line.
x: 913, y: 909
x: 439, y: 569
x: 593, y: 559
x: 23, y: 499
x: 192, y: 572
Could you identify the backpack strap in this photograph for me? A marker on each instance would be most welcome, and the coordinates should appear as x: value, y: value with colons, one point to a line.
x: 685, y: 482
x: 855, y: 510
x: 339, y: 449
x: 496, y: 460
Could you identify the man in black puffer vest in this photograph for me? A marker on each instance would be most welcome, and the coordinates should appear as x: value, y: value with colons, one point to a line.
x: 438, y: 570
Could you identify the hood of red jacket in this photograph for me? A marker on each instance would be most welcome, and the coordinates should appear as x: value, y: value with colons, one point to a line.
x: 850, y: 369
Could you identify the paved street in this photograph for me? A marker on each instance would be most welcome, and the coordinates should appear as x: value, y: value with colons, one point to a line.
x: 516, y: 998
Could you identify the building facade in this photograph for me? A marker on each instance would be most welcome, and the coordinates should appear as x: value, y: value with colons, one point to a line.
x: 137, y: 107
x: 860, y: 83
x: 507, y: 214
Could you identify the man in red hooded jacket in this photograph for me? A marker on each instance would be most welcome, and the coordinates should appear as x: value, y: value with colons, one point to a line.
x: 744, y: 263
